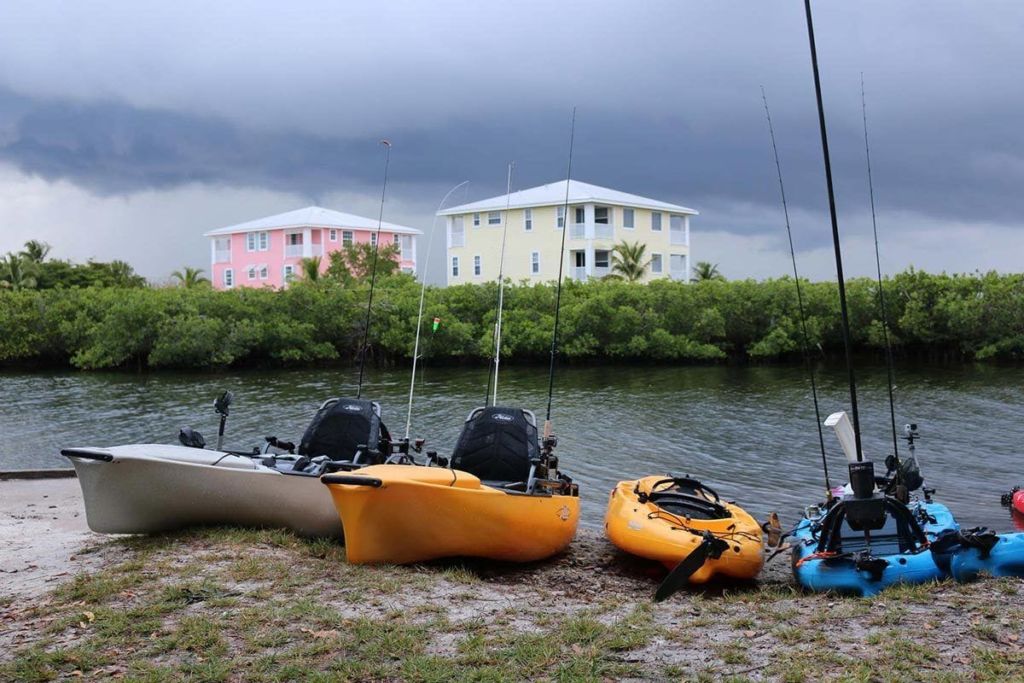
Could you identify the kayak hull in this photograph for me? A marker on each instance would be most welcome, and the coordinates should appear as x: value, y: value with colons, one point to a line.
x: 405, y: 514
x: 1006, y: 558
x: 153, y: 488
x: 841, y: 575
x: 645, y: 530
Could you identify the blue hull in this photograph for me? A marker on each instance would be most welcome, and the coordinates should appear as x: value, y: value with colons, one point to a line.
x: 842, y: 576
x: 1005, y: 559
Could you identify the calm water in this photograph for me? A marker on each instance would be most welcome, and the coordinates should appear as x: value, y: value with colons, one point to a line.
x: 748, y: 432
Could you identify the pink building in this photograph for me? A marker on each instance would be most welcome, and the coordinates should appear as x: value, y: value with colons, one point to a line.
x: 267, y: 251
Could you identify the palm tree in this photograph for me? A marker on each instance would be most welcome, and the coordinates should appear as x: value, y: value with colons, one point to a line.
x: 704, y: 271
x: 628, y: 261
x: 191, y: 277
x: 310, y: 268
x: 17, y: 273
x: 35, y: 251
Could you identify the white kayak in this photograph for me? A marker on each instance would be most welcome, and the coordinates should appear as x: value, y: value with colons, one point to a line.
x: 147, y: 488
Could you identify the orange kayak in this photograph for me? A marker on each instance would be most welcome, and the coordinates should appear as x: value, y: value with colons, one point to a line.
x: 402, y: 513
x: 666, y: 519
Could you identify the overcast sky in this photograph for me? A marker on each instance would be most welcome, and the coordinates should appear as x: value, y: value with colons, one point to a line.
x: 129, y: 129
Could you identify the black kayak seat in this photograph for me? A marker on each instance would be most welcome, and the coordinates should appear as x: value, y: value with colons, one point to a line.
x: 497, y: 445
x: 340, y: 426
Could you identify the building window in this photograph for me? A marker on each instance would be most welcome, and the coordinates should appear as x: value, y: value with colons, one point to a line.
x: 222, y: 250
x: 494, y: 218
x: 229, y: 278
x: 601, y: 258
x: 528, y: 219
x: 477, y: 268
x: 458, y: 232
x: 535, y: 263
x: 373, y: 239
x: 346, y: 238
x: 397, y: 240
x: 655, y: 222
x: 264, y: 241
x: 288, y: 273
x: 656, y: 263
x: 677, y: 230
x: 560, y: 217
x: 476, y: 220
x: 294, y: 239
x: 333, y: 235
x: 250, y: 241
x: 677, y: 266
x: 580, y: 215
x: 600, y: 215
x: 251, y: 273
x: 264, y: 273
x: 627, y: 219
x: 455, y: 266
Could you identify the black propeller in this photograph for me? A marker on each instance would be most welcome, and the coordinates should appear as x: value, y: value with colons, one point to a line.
x: 710, y: 548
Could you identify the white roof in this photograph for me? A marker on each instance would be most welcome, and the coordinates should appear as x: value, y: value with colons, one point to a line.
x: 554, y: 194
x: 313, y: 217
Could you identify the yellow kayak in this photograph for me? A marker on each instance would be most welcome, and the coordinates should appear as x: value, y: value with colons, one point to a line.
x: 672, y: 520
x: 402, y: 513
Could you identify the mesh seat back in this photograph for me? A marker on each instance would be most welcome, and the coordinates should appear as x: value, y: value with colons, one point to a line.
x: 497, y: 444
x: 340, y: 426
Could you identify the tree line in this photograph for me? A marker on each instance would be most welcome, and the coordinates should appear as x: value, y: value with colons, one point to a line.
x: 319, y: 321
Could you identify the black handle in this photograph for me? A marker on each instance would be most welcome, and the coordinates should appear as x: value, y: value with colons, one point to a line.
x: 352, y: 480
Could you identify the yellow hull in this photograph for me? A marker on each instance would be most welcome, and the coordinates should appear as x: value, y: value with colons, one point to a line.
x: 425, y: 513
x: 646, y: 530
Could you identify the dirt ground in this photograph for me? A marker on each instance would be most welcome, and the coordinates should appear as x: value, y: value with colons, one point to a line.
x: 250, y: 605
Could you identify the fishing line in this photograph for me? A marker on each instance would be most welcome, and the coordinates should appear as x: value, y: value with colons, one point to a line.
x: 878, y: 266
x: 805, y: 342
x: 561, y: 262
x: 373, y: 269
x: 419, y: 317
x: 835, y: 233
x: 496, y: 343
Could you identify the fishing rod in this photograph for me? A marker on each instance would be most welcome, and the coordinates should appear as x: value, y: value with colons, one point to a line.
x: 805, y: 341
x: 558, y: 292
x: 373, y: 269
x: 835, y: 233
x: 419, y: 317
x: 501, y: 296
x: 881, y: 295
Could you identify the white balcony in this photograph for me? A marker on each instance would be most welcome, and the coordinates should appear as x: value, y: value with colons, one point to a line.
x: 578, y: 231
x: 600, y: 272
x: 222, y: 256
x: 604, y: 231
x: 579, y: 273
x: 297, y: 250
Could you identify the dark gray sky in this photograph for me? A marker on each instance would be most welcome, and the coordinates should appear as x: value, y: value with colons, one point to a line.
x: 129, y: 129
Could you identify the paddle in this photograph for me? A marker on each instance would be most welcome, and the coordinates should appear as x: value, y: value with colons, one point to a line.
x: 710, y: 548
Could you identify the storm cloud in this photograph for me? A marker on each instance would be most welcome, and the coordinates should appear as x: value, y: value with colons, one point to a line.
x: 160, y: 98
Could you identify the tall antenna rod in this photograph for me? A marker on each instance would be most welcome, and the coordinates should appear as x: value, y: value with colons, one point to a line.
x: 561, y: 262
x: 501, y: 293
x: 805, y: 341
x: 835, y: 233
x: 373, y: 269
x: 419, y: 317
x: 878, y: 266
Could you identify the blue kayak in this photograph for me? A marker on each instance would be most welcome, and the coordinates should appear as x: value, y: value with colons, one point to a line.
x: 985, y: 553
x: 864, y: 563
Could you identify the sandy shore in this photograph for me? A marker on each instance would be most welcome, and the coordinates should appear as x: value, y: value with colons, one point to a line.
x: 42, y: 530
x: 250, y: 605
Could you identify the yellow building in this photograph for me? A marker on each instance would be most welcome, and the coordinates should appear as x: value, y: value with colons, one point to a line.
x: 599, y: 218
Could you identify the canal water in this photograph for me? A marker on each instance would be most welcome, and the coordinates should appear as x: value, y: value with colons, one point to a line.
x: 748, y: 432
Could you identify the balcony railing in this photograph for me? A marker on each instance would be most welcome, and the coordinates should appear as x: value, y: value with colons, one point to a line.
x: 222, y: 256
x: 600, y: 271
x: 578, y: 231
x: 292, y: 250
x: 603, y: 230
x: 579, y: 273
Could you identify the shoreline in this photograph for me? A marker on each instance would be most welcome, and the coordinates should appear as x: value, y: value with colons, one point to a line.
x: 251, y: 605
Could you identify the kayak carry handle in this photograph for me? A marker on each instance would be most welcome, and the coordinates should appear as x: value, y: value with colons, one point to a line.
x: 87, y: 453
x: 351, y: 480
